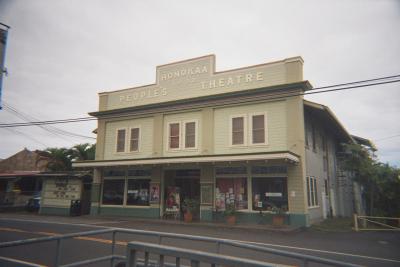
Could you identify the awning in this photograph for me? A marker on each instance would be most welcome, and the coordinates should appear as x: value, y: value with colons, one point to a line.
x: 286, y: 156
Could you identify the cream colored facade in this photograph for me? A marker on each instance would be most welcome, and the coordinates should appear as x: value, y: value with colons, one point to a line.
x: 185, y: 123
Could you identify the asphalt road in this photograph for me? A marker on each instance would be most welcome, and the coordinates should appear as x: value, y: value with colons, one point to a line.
x: 364, y: 248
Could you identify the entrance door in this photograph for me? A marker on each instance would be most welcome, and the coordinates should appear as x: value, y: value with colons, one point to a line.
x: 181, y: 185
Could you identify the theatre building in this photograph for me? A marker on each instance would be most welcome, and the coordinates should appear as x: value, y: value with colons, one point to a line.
x: 243, y: 139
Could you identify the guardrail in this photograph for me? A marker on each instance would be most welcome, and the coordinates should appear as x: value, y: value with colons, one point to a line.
x: 361, y: 223
x: 304, y: 259
x: 195, y: 257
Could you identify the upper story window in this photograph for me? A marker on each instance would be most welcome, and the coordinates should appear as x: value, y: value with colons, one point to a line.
x: 174, y: 134
x: 190, y: 134
x: 314, y: 137
x: 306, y: 135
x: 121, y: 135
x: 238, y: 130
x: 128, y: 140
x: 182, y: 135
x: 134, y: 139
x: 258, y: 133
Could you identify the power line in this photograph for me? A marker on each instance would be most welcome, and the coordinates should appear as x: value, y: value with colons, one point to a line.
x: 277, y: 96
x: 54, y: 130
x: 386, y: 138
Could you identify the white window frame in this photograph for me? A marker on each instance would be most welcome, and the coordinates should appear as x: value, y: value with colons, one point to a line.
x: 116, y: 140
x: 245, y: 135
x: 168, y: 136
x: 196, y: 132
x: 251, y: 115
x: 313, y: 194
x: 130, y: 139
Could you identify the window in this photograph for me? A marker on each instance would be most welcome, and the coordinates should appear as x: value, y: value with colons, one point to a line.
x: 325, y: 163
x: 238, y: 128
x: 324, y: 143
x: 306, y: 133
x: 258, y: 129
x: 314, y: 143
x: 326, y: 187
x: 312, y: 194
x: 269, y: 193
x: 190, y: 134
x: 113, y: 191
x: 186, y: 130
x: 138, y: 192
x: 121, y: 133
x: 134, y: 142
x: 174, y: 132
x: 231, y: 191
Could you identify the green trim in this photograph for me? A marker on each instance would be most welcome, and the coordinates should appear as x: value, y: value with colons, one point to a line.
x: 95, y: 193
x: 54, y: 211
x: 206, y: 215
x: 153, y: 108
x: 131, y: 212
x: 94, y: 209
x: 298, y: 220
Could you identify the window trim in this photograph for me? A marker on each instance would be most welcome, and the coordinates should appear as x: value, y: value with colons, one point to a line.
x: 196, y: 134
x: 168, y: 136
x: 251, y: 115
x: 245, y: 134
x: 139, y: 138
x: 116, y: 140
x: 312, y: 194
x: 125, y: 197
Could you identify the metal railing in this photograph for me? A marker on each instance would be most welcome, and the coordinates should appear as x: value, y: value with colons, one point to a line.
x: 380, y: 223
x: 195, y: 257
x: 218, y: 242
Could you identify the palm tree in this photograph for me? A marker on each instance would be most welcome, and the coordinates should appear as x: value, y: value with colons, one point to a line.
x: 59, y: 159
x: 84, y: 151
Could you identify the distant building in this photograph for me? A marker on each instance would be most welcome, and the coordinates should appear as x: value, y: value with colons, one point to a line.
x: 242, y: 138
x: 19, y: 178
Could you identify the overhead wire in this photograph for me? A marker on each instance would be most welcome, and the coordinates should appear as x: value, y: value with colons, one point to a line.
x: 54, y: 130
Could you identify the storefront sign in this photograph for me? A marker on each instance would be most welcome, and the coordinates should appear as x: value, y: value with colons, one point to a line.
x: 62, y: 189
x: 196, y: 78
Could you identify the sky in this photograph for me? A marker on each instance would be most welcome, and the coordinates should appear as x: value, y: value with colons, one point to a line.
x: 60, y: 54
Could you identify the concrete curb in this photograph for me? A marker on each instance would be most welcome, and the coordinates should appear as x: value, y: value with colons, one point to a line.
x: 105, y: 220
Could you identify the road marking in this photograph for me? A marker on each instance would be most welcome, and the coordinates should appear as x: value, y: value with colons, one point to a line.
x: 318, y: 250
x: 235, y: 240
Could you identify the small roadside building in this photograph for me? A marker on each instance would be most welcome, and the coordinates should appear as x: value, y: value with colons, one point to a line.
x: 244, y: 139
x: 19, y: 179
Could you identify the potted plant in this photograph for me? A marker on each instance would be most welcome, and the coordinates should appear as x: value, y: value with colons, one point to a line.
x: 230, y: 214
x: 189, y: 208
x: 278, y: 217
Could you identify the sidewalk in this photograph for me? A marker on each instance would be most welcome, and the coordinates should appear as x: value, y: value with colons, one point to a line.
x: 131, y: 222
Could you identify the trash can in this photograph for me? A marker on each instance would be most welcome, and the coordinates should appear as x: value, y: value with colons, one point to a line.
x: 75, y: 209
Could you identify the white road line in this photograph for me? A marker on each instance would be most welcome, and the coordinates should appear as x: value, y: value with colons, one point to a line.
x: 249, y: 242
x: 318, y: 250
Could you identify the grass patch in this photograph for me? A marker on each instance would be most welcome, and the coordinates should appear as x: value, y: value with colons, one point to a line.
x: 334, y: 225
